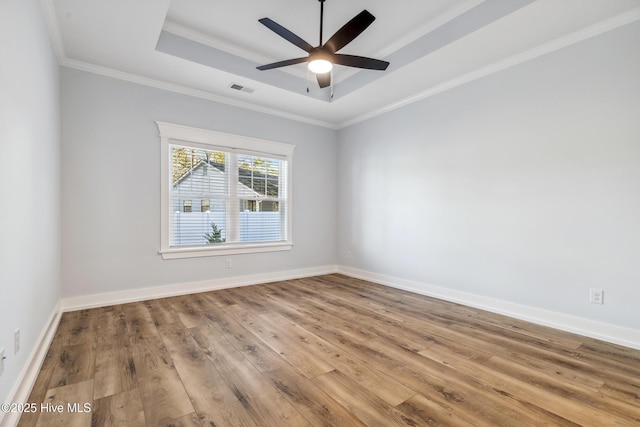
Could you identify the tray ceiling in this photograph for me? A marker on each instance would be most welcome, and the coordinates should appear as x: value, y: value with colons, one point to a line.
x: 203, y: 47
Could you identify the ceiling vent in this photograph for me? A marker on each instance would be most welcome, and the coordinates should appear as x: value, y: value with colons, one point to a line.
x: 241, y: 88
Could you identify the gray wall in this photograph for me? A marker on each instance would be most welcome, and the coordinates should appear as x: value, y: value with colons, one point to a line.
x: 30, y: 177
x: 522, y: 186
x: 111, y: 186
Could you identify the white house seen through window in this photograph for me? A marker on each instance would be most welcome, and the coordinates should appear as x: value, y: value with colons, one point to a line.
x: 241, y: 185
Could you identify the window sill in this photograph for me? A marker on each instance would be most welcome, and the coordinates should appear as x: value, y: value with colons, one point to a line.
x: 203, y: 251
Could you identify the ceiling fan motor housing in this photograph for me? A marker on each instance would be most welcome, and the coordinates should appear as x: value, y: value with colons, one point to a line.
x: 322, y: 58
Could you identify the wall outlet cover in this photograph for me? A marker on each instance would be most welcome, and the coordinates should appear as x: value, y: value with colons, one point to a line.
x: 596, y: 296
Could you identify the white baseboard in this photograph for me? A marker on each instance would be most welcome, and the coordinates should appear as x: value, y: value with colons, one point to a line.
x: 603, y: 331
x: 27, y: 379
x: 29, y: 374
x: 123, y: 297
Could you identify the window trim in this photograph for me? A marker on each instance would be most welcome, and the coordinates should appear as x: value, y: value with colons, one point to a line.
x: 172, y: 133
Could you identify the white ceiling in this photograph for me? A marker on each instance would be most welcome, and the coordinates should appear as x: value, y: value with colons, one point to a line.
x: 201, y: 47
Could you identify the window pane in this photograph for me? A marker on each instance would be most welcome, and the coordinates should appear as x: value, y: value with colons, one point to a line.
x: 200, y: 196
x: 198, y: 172
x: 222, y: 190
x: 216, y: 233
x: 197, y: 228
x: 198, y: 177
x: 259, y: 176
x: 259, y: 225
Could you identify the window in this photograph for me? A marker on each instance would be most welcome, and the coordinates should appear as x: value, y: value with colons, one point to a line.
x: 243, y: 186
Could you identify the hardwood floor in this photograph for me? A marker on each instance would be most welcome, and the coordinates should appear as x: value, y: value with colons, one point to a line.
x: 327, y: 351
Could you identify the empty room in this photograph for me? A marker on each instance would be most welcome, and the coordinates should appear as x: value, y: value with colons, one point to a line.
x: 320, y: 213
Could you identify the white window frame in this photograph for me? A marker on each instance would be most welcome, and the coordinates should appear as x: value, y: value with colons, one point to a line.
x: 208, y: 139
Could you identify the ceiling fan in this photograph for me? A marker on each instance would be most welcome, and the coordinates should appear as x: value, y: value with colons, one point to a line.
x: 322, y: 58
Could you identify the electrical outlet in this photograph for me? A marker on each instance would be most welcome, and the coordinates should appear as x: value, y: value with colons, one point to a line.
x: 16, y: 341
x: 2, y: 358
x: 596, y: 296
x: 228, y: 263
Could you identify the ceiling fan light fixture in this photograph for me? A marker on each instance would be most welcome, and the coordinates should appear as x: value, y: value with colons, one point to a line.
x: 320, y: 66
x: 322, y: 57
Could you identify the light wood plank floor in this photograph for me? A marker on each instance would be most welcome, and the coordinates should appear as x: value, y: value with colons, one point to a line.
x: 327, y: 351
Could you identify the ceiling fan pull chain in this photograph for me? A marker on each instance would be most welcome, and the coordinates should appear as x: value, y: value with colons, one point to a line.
x: 322, y: 58
x: 331, y: 80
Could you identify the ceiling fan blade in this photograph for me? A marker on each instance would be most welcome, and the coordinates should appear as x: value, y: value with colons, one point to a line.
x: 360, y: 62
x: 283, y: 63
x: 286, y: 34
x: 324, y: 79
x: 349, y: 31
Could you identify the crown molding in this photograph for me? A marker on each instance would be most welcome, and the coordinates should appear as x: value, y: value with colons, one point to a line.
x: 215, y: 42
x: 184, y: 90
x: 427, y: 27
x: 55, y: 35
x: 620, y: 20
x: 594, y: 30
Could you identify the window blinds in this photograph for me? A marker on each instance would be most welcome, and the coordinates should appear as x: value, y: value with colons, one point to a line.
x: 220, y: 197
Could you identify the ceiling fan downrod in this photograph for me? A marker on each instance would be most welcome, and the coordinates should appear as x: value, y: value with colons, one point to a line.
x: 321, y: 20
x: 323, y: 57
